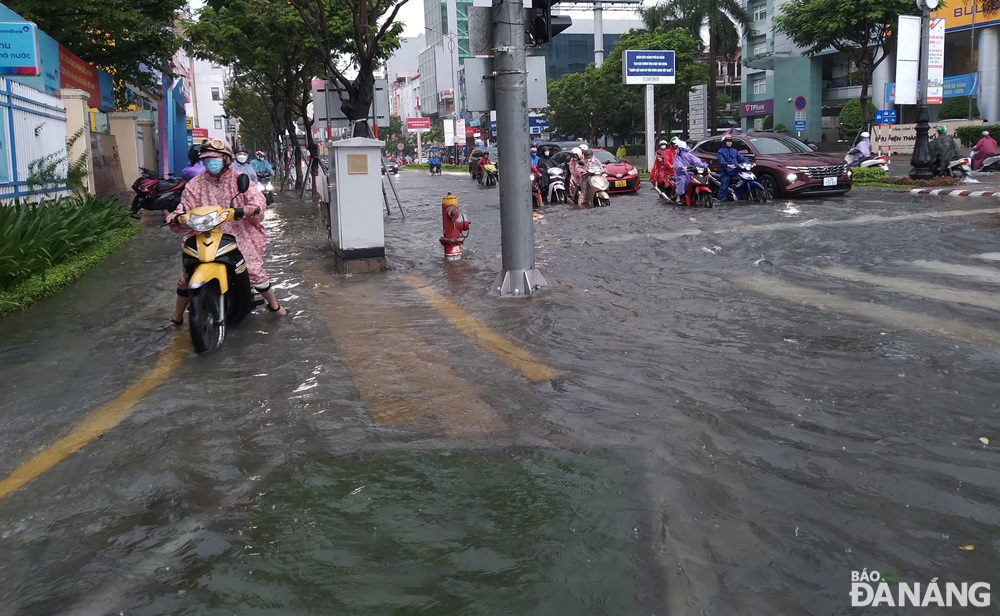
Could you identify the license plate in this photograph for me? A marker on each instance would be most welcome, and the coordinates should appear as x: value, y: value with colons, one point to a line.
x: 620, y: 183
x: 829, y: 181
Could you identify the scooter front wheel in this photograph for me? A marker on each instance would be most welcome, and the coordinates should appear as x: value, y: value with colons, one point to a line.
x: 705, y: 200
x: 208, y: 319
x: 758, y: 195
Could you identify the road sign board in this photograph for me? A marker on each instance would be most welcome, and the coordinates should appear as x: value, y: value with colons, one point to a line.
x: 648, y: 67
x: 800, y: 125
x: 885, y: 117
x: 399, y: 146
x: 418, y: 125
x: 800, y: 103
x: 800, y: 116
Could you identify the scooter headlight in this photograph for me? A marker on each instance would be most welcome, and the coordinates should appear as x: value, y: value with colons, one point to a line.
x: 203, y: 223
x: 260, y: 187
x: 269, y: 187
x: 532, y: 177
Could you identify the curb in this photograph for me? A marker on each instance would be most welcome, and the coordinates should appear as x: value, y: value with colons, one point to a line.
x: 951, y: 192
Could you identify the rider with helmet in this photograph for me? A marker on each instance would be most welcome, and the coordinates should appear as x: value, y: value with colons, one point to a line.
x: 943, y: 151
x: 242, y: 164
x: 260, y: 164
x: 194, y: 166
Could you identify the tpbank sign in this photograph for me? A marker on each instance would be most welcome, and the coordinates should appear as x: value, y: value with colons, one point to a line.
x: 19, y: 49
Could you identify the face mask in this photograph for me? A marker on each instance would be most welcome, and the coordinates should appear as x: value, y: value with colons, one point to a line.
x: 260, y: 157
x: 213, y: 165
x: 242, y: 158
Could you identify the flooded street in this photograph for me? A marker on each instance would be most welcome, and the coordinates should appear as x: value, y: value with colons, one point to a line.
x: 706, y: 412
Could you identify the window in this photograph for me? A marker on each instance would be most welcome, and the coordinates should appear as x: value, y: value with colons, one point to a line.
x: 216, y: 94
x: 760, y: 12
x: 218, y: 122
x: 709, y: 147
x: 741, y: 146
x: 760, y: 85
x: 760, y: 47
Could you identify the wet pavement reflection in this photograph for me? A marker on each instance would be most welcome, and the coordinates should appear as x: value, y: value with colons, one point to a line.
x: 748, y: 403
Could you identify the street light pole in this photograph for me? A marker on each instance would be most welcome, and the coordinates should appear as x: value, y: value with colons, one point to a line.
x: 921, y: 159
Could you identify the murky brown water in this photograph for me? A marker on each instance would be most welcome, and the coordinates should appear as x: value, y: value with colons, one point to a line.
x: 714, y: 443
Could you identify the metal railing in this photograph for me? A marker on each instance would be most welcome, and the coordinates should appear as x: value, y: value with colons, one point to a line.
x: 32, y: 129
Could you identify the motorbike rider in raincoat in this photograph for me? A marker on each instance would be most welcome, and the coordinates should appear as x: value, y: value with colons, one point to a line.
x: 729, y: 158
x: 260, y: 164
x: 943, y: 150
x: 576, y: 168
x: 683, y: 159
x: 242, y: 165
x: 986, y: 147
x: 588, y: 164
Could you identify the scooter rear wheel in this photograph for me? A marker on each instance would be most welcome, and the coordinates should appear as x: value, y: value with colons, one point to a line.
x: 208, y: 319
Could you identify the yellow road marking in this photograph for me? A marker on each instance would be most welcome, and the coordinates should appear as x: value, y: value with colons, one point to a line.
x: 99, y: 421
x: 518, y: 358
x: 871, y: 311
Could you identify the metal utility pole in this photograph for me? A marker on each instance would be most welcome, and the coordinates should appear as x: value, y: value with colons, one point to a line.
x: 517, y: 232
x: 921, y: 159
x: 598, y: 34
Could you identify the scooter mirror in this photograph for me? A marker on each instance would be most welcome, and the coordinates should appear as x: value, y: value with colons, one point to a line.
x: 243, y: 183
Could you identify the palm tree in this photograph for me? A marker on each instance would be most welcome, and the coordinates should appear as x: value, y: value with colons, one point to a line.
x: 724, y: 19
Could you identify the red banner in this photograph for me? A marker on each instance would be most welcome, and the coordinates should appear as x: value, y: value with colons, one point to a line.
x: 199, y: 133
x: 418, y: 124
x: 470, y: 131
x: 75, y: 73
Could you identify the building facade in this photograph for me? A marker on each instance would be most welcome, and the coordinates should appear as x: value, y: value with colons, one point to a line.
x: 777, y: 74
x: 573, y: 50
x: 404, y: 95
x: 209, y: 85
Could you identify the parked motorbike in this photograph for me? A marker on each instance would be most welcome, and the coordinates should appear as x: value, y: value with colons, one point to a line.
x: 218, y: 281
x: 747, y: 188
x: 557, y: 185
x: 699, y: 189
x: 853, y: 159
x: 489, y: 176
x: 265, y: 186
x: 155, y: 193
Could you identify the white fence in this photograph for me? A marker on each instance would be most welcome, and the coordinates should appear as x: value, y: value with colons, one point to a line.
x: 32, y: 129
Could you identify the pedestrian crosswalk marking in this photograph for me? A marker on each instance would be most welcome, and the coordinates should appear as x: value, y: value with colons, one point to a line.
x: 982, y: 274
x: 917, y: 287
x: 822, y: 300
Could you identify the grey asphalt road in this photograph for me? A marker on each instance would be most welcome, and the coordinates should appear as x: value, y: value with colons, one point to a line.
x: 721, y: 411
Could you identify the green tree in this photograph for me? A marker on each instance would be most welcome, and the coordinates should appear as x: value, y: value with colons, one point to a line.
x: 270, y: 51
x: 118, y: 36
x: 359, y: 36
x: 862, y: 30
x: 434, y: 135
x: 852, y: 120
x: 724, y: 19
x: 957, y: 108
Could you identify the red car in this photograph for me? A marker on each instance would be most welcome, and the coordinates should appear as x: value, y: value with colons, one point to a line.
x: 622, y: 176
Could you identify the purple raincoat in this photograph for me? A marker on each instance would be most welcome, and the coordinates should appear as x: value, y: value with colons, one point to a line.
x: 190, y: 171
x: 684, y: 158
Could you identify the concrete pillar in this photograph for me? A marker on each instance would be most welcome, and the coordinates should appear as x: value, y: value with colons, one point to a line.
x: 989, y: 73
x: 149, y: 156
x: 884, y: 74
x: 78, y: 131
x: 124, y: 127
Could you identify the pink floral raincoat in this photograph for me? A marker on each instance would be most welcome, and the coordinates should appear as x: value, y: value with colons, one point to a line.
x: 205, y: 190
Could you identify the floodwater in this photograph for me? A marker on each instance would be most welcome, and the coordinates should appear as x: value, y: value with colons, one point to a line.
x: 745, y: 404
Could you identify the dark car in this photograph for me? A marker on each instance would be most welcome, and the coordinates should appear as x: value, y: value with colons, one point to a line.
x: 390, y: 166
x: 477, y: 154
x: 621, y: 176
x: 784, y: 165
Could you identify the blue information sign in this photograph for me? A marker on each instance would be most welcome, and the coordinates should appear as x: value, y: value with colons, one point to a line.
x: 648, y: 67
x: 956, y: 85
x: 538, y: 121
x: 19, y: 49
x: 885, y: 117
x: 800, y: 125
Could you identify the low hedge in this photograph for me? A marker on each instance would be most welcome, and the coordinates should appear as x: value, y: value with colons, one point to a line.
x: 863, y: 176
x: 22, y: 295
x: 969, y: 135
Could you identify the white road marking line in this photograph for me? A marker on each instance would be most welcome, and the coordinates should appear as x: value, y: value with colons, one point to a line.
x: 989, y: 256
x: 956, y: 330
x: 916, y: 287
x: 866, y: 219
x: 984, y: 274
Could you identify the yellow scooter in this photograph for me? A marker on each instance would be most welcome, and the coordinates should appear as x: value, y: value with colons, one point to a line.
x: 218, y: 282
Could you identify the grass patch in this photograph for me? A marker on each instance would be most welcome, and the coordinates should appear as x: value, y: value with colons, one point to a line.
x: 41, y: 285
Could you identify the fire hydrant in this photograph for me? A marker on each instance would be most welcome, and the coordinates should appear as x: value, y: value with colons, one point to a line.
x: 456, y: 228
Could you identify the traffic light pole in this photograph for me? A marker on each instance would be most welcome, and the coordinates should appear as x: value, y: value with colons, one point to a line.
x: 517, y: 232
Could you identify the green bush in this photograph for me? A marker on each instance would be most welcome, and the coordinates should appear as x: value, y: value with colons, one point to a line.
x: 957, y: 109
x: 780, y: 128
x: 768, y: 123
x: 851, y: 120
x: 969, y: 135
x: 868, y: 175
x: 36, y: 237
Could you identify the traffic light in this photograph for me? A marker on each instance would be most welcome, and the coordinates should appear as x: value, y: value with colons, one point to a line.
x: 542, y: 25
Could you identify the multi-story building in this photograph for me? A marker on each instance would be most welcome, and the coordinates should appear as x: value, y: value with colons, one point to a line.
x: 777, y: 73
x: 209, y: 82
x: 404, y: 95
x: 573, y: 50
x: 443, y: 55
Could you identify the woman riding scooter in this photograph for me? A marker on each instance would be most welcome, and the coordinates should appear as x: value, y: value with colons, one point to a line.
x: 218, y: 187
x: 682, y: 160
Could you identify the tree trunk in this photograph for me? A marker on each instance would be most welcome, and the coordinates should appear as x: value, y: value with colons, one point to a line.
x: 712, y: 71
x: 866, y: 67
x: 295, y: 149
x: 357, y: 106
